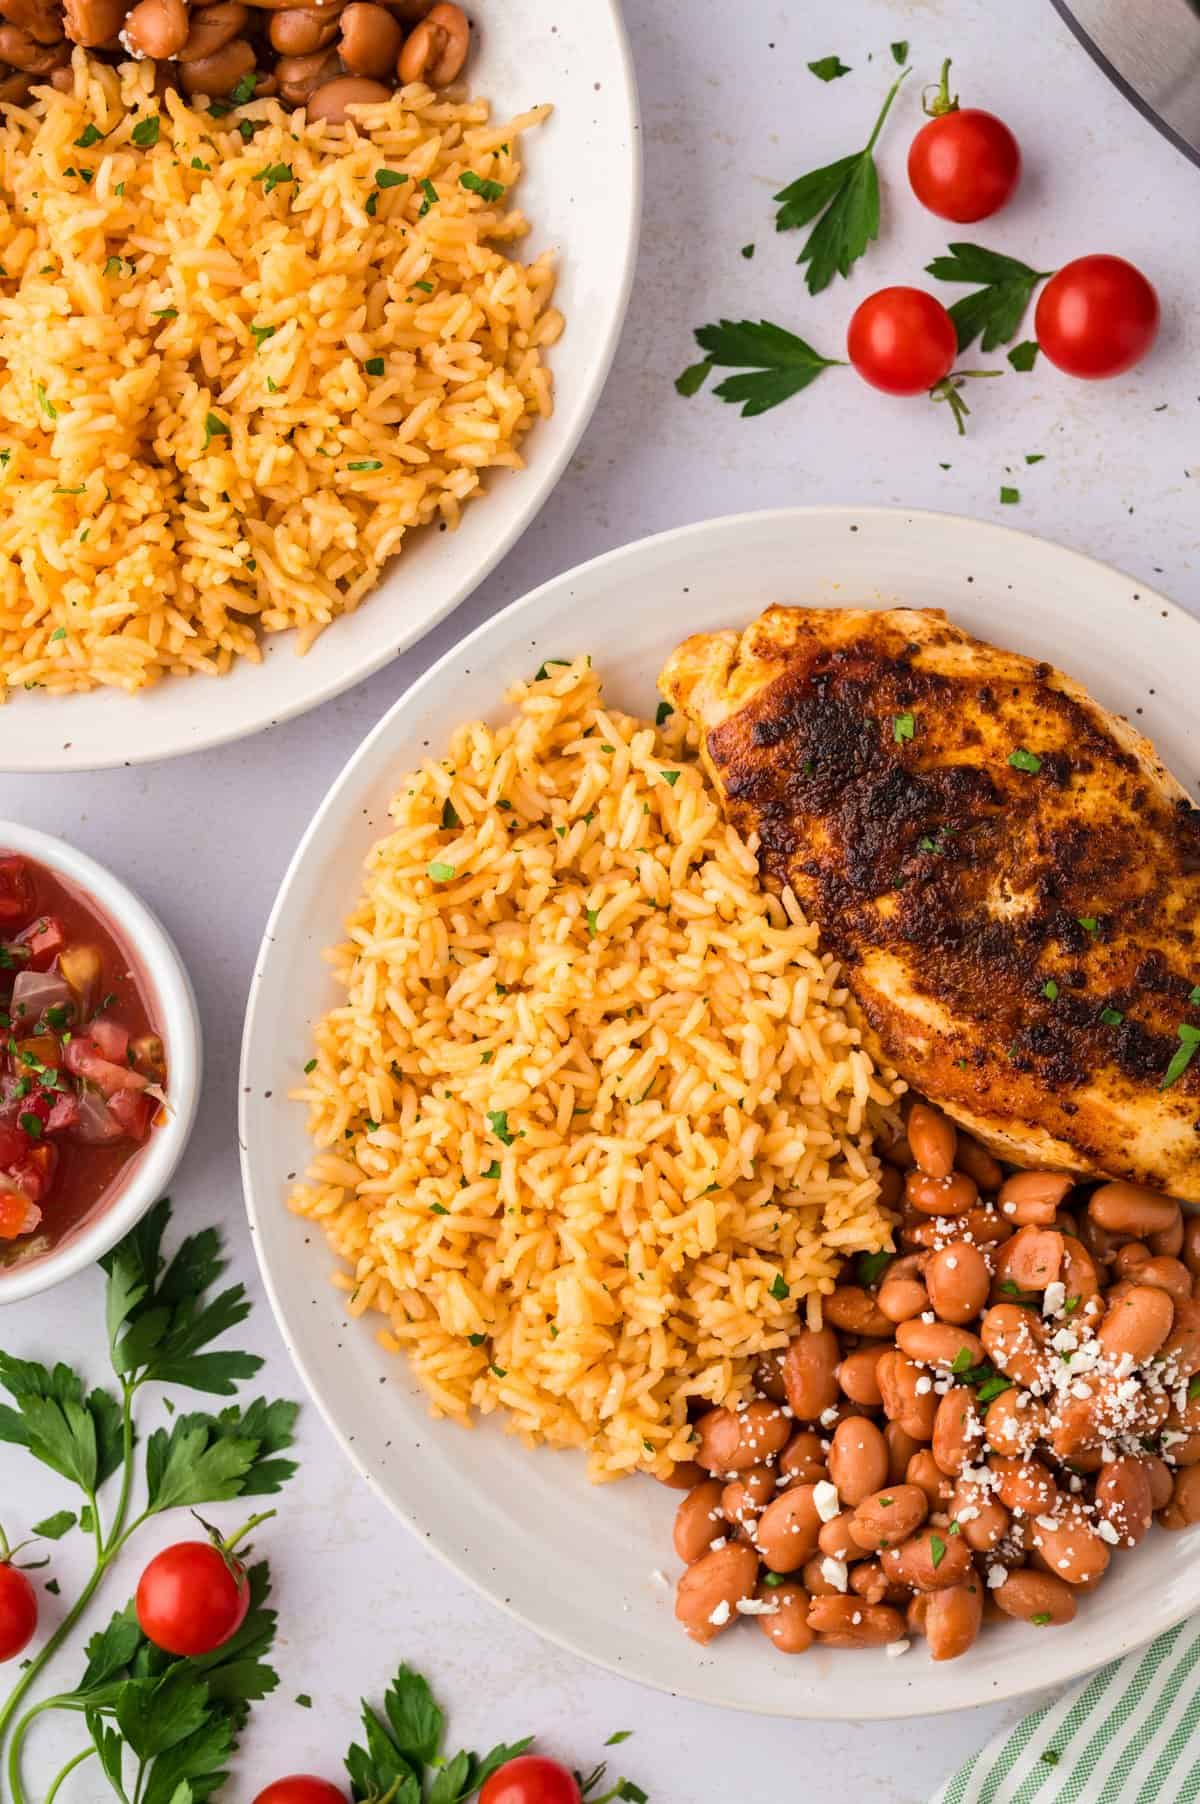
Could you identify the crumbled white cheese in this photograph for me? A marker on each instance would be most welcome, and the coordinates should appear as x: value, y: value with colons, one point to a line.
x: 924, y: 1385
x: 758, y: 1606
x: 1053, y: 1298
x: 996, y: 1577
x: 894, y: 1649
x: 826, y: 1501
x: 828, y: 1417
x: 835, y: 1573
x: 721, y: 1614
x: 1107, y: 1532
x: 716, y: 1544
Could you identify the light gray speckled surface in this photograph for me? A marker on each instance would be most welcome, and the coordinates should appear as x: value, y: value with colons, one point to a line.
x: 730, y: 113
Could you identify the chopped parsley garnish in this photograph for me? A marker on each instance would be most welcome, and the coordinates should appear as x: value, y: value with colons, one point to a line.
x: 476, y: 1340
x: 992, y: 1387
x: 1049, y: 1756
x: 904, y: 726
x: 374, y: 366
x: 486, y: 1058
x: 441, y: 873
x: 747, y: 251
x: 60, y: 632
x: 438, y: 1209
x: 1194, y: 996
x: 543, y: 670
x: 81, y: 489
x: 663, y: 713
x: 775, y: 364
x: 260, y: 335
x: 45, y: 403
x: 31, y: 1123
x: 1050, y: 990
x: 372, y: 203
x: 366, y: 463
x: 431, y: 197
x: 304, y: 1701
x: 870, y: 1266
x: 311, y: 1066
x: 1035, y: 457
x: 91, y: 134
x: 115, y: 266
x: 1111, y: 1017
x: 248, y: 127
x: 1010, y: 497
x: 498, y: 1122
x: 244, y: 90
x: 669, y: 776
x: 425, y: 287
x: 1089, y: 923
x: 214, y: 427
x: 165, y: 313
x: 900, y: 51
x: 274, y: 175
x: 1020, y: 759
x: 481, y: 185
x: 390, y: 178
x: 937, y: 1550
x: 499, y: 1371
x: 1185, y: 1052
x: 1024, y: 356
x: 773, y: 1580
x: 145, y: 132
x: 618, y: 1735
x: 780, y: 1289
x: 1041, y: 1619
x: 493, y: 1170
x: 198, y: 164
x: 829, y: 68
x: 843, y: 199
x: 592, y: 917
x: 449, y: 816
x: 961, y: 1362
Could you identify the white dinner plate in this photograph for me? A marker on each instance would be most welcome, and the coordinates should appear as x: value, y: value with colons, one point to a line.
x: 579, y: 1562
x: 582, y: 193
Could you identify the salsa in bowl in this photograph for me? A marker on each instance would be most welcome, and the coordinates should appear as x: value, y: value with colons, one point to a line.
x: 99, y: 1060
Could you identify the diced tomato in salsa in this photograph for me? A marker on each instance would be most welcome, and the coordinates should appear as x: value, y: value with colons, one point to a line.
x: 78, y: 1048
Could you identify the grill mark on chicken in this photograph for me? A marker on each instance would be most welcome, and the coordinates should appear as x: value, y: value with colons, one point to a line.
x: 970, y: 874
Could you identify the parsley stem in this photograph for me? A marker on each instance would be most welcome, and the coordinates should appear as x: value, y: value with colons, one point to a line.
x: 84, y: 1754
x: 33, y: 1671
x: 871, y: 143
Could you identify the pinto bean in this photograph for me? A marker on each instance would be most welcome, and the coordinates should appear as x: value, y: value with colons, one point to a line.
x: 93, y: 22
x: 901, y: 1446
x: 371, y: 39
x: 1035, y: 1597
x: 1136, y: 1326
x: 788, y: 1530
x: 1033, y: 1258
x: 1128, y: 1259
x: 849, y: 1622
x: 786, y: 1627
x: 957, y: 1431
x: 1015, y: 1422
x: 933, y: 1139
x: 927, y: 1475
x: 1032, y: 1198
x: 711, y: 1589
x: 983, y: 1226
x: 858, y: 1460
x: 212, y: 28
x: 908, y: 1395
x: 158, y: 28
x: 42, y: 19
x: 1184, y: 1507
x: 1181, y: 1350
x: 889, y: 1517
x: 855, y: 1311
x: 868, y: 1579
x: 952, y: 1195
x: 957, y: 1279
x: 810, y: 1372
x: 1191, y: 1242
x: 1162, y: 1480
x: 684, y: 1475
x: 1016, y: 1343
x: 978, y: 1163
x: 902, y: 1295
x: 891, y: 1187
x: 734, y: 1440
x: 436, y: 51
x: 332, y: 99
x: 953, y: 1619
x: 219, y: 73
x: 1080, y: 1275
x: 1025, y: 1485
x: 930, y: 1560
x: 768, y: 1377
x: 897, y: 1152
x: 23, y: 51
x: 1071, y: 1550
x: 698, y: 1521
x: 1102, y: 1245
x: 982, y: 1521
x: 1122, y: 1208
x: 813, y: 1576
x: 939, y: 1344
x: 856, y: 1375
x: 803, y: 1460
x: 303, y: 30
x: 835, y: 1540
x: 1164, y: 1273
x: 1167, y: 1243
x: 1125, y: 1498
x: 742, y: 1499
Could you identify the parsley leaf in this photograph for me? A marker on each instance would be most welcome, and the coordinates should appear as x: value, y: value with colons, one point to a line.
x: 829, y: 68
x: 900, y: 51
x: 1020, y: 759
x: 1185, y: 1052
x: 843, y: 199
x: 56, y: 1526
x: 995, y: 311
x: 1024, y: 355
x: 481, y: 185
x: 145, y: 132
x: 406, y: 1740
x: 210, y: 1459
x: 76, y: 1435
x: 693, y: 378
x: 779, y: 363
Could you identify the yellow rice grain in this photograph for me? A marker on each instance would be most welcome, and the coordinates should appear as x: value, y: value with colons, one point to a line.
x: 594, y: 1121
x: 193, y: 451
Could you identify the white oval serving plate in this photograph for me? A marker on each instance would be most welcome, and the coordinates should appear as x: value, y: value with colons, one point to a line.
x: 581, y: 1564
x: 582, y: 194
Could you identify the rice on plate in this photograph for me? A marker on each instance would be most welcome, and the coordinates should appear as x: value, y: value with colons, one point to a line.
x: 594, y: 1121
x: 241, y: 356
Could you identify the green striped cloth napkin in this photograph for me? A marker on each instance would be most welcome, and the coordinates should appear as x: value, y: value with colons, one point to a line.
x: 1129, y: 1735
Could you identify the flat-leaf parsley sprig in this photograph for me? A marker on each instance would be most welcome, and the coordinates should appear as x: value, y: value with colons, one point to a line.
x: 162, y: 1320
x: 843, y: 198
x: 406, y: 1741
x: 992, y: 314
x: 777, y: 362
x: 175, y: 1722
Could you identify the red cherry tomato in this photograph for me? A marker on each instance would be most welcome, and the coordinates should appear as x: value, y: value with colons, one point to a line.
x: 531, y: 1779
x: 192, y: 1598
x: 1097, y: 317
x: 18, y: 1612
x: 902, y: 340
x: 964, y: 165
x: 301, y: 1788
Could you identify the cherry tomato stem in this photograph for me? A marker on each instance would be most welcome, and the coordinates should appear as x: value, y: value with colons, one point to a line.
x: 964, y: 164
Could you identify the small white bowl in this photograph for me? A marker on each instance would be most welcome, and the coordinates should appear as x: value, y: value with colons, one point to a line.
x: 173, y: 1007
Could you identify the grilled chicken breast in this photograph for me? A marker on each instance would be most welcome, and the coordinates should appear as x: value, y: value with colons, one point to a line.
x: 1008, y: 872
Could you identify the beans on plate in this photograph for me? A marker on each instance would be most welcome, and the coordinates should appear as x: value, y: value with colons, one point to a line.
x: 974, y: 1431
